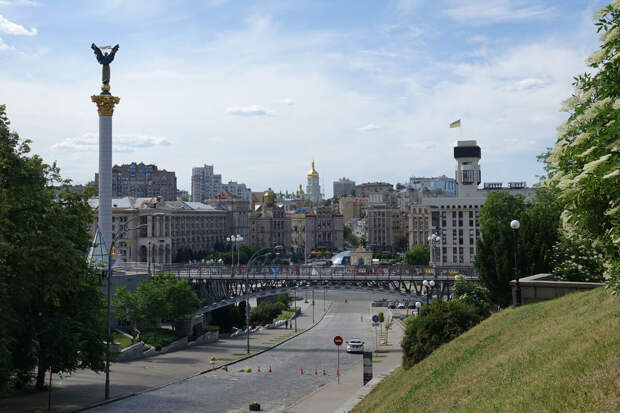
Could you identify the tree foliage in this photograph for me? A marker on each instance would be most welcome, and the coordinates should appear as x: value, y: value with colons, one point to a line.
x: 418, y: 255
x: 495, y: 249
x: 51, y: 302
x: 472, y: 293
x: 585, y: 161
x: 163, y: 298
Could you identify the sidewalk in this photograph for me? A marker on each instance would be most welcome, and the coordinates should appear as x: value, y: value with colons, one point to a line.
x: 341, y: 397
x: 85, y: 388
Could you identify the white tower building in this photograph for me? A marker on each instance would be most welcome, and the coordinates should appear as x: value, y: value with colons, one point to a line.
x: 313, y: 188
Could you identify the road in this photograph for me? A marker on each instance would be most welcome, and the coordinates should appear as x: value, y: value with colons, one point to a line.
x: 233, y: 391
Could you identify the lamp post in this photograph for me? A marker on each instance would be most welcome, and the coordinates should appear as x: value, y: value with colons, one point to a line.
x: 247, y: 289
x: 429, y: 289
x: 434, y: 240
x: 149, y: 254
x: 234, y: 240
x: 514, y: 224
x: 109, y: 318
x: 418, y: 305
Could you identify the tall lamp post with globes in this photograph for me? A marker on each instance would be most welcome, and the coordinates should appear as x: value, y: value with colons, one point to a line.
x: 429, y: 289
x: 434, y: 241
x: 234, y: 240
x: 515, y: 225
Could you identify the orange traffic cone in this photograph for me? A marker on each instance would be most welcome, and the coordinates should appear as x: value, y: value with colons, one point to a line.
x: 324, y: 374
x: 269, y: 368
x: 316, y: 372
x: 258, y: 370
x: 301, y: 371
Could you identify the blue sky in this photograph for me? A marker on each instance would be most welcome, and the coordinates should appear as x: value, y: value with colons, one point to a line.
x: 366, y: 88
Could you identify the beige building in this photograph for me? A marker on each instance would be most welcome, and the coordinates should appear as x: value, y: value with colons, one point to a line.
x: 376, y: 192
x: 455, y: 219
x: 387, y: 228
x: 154, y: 232
x: 269, y: 225
x: 352, y: 207
x: 316, y: 229
x: 238, y: 207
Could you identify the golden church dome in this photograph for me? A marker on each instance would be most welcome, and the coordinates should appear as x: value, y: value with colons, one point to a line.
x: 312, y: 173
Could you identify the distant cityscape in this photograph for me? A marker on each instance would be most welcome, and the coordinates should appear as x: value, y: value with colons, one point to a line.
x: 384, y: 217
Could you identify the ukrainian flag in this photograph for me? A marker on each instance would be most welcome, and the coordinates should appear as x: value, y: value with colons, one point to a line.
x: 456, y: 124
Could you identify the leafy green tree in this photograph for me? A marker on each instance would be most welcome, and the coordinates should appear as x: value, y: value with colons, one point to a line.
x: 418, y: 255
x: 495, y: 247
x: 52, y: 305
x: 350, y: 237
x: 577, y: 258
x: 472, y: 293
x: 585, y: 161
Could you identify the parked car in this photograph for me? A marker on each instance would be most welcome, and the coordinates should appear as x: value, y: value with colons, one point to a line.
x: 355, y: 345
x: 411, y: 304
x: 401, y: 305
x: 391, y: 304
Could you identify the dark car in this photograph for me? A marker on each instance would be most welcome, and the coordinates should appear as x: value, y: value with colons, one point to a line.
x: 410, y: 304
x: 391, y: 305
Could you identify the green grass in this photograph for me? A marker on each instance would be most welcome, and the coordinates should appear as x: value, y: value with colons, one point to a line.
x: 561, y: 355
x: 121, y: 338
x: 286, y: 314
x: 158, y: 337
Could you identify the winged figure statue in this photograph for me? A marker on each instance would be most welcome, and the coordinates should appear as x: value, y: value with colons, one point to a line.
x: 105, y: 60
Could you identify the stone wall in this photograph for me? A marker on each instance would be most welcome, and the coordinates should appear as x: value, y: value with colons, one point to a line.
x: 541, y: 287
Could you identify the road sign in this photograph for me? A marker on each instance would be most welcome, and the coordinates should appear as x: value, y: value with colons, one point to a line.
x: 375, y: 324
x: 338, y: 340
x: 375, y: 318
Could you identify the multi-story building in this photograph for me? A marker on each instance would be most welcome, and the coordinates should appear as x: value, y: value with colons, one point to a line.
x: 205, y: 184
x: 142, y: 181
x: 387, y: 228
x: 153, y: 231
x: 352, y: 207
x: 313, y: 187
x: 343, y: 187
x: 439, y: 184
x: 376, y: 192
x: 318, y: 228
x: 455, y: 219
x: 182, y: 195
x: 238, y: 190
x: 238, y: 216
x: 268, y: 224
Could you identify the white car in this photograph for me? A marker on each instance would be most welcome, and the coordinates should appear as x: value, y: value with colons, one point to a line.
x: 355, y: 345
x: 401, y: 305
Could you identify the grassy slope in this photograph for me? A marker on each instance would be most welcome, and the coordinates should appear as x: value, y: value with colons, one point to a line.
x: 555, y: 356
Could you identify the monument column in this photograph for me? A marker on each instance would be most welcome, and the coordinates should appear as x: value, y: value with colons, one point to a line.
x: 105, y: 106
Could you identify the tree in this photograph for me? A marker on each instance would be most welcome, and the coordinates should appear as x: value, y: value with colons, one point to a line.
x: 472, y: 293
x: 52, y: 305
x: 585, y: 160
x: 495, y: 247
x: 418, y: 255
x: 350, y: 237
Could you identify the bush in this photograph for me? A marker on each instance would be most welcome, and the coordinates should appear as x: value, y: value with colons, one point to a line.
x: 159, y: 337
x: 228, y: 317
x: 437, y: 324
x: 472, y: 293
x: 266, y: 312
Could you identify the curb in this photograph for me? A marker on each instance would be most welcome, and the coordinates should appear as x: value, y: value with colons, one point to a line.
x: 128, y: 395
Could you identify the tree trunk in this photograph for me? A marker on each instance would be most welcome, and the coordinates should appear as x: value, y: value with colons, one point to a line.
x: 40, y: 384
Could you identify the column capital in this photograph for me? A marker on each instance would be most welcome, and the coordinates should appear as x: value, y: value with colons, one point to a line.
x: 105, y: 104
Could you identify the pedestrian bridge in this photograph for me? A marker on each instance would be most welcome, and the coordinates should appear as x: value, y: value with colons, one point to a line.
x: 220, y: 285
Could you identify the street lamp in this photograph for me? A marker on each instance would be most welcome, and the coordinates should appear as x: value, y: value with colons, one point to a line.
x: 109, y: 318
x: 434, y: 240
x: 418, y: 305
x: 234, y: 239
x: 514, y: 224
x: 149, y: 253
x: 429, y: 289
x: 247, y: 288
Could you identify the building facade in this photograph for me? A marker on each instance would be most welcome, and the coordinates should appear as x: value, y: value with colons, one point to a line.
x: 343, y: 187
x: 318, y: 228
x: 455, y: 219
x: 205, y: 184
x: 238, y: 216
x: 376, y: 192
x: 440, y: 184
x: 142, y: 181
x: 387, y: 228
x: 269, y: 225
x: 238, y: 190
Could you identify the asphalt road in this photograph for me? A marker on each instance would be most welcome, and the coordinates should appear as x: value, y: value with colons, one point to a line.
x: 233, y: 391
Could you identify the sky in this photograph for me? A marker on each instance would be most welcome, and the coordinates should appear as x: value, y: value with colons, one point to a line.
x: 259, y: 89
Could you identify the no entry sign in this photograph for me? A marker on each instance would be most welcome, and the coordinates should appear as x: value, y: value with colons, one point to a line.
x: 338, y: 340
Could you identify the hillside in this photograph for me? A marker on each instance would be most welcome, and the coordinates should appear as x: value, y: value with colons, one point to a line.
x: 555, y: 356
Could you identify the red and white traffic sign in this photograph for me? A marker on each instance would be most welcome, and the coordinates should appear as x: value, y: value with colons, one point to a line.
x: 338, y: 340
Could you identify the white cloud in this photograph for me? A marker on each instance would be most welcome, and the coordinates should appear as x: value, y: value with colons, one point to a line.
x: 89, y: 142
x: 4, y: 46
x: 252, y: 110
x: 368, y: 128
x: 530, y: 83
x: 493, y: 11
x: 9, y: 27
x: 287, y: 101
